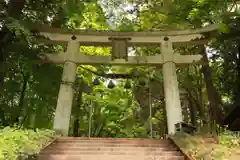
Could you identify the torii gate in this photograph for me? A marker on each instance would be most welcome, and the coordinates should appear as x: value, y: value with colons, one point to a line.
x: 119, y: 42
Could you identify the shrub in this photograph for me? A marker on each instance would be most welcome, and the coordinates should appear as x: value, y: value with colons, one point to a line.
x: 229, y: 139
x: 20, y: 143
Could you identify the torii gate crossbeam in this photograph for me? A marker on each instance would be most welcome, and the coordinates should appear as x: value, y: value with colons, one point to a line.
x: 168, y: 59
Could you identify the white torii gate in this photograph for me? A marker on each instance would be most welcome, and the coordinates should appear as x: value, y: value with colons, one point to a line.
x: 120, y: 41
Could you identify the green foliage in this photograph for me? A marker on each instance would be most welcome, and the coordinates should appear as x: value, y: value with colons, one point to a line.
x: 21, y: 143
x: 229, y: 139
x: 113, y: 113
x: 224, y: 28
x: 206, y: 146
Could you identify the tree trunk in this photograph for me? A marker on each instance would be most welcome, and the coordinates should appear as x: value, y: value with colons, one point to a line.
x: 2, y: 114
x: 237, y: 89
x: 193, y: 112
x: 213, y: 96
x: 185, y: 112
x: 77, y: 114
x: 15, y: 8
x: 165, y: 120
x: 22, y: 96
x: 200, y: 106
x: 76, y: 126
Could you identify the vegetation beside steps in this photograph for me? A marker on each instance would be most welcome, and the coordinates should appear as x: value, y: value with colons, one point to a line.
x: 26, y: 143
x: 23, y: 143
x: 202, y: 146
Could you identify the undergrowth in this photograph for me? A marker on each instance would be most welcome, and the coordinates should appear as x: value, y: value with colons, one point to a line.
x: 202, y: 146
x: 22, y: 143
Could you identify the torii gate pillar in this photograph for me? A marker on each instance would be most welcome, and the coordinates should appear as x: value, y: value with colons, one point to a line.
x: 171, y: 90
x: 65, y: 97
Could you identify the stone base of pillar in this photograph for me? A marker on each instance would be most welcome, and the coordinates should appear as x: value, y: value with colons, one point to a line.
x: 63, y: 110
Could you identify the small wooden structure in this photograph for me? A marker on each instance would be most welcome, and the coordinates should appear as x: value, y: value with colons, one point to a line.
x: 185, y: 127
x: 120, y: 41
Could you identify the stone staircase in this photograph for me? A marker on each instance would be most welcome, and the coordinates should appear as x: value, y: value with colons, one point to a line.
x: 78, y: 148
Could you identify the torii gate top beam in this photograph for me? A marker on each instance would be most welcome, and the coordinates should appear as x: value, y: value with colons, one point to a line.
x: 103, y: 38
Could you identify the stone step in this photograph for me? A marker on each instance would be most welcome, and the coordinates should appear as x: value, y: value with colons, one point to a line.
x: 106, y: 148
x: 79, y: 144
x: 110, y: 140
x: 108, y: 157
x: 114, y: 142
x: 75, y: 148
x: 80, y: 152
